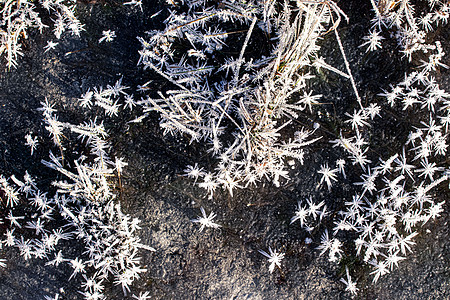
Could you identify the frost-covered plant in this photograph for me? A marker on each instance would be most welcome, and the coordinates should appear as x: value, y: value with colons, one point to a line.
x: 18, y: 17
x: 241, y: 104
x: 83, y: 203
x: 241, y: 100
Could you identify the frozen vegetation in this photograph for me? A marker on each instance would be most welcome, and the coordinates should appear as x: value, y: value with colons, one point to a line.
x: 239, y: 78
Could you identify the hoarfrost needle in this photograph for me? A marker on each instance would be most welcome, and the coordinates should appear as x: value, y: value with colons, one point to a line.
x: 206, y: 221
x: 108, y: 36
x: 50, y: 46
x: 350, y: 285
x: 373, y: 41
x: 274, y: 258
x: 31, y: 142
x: 327, y: 175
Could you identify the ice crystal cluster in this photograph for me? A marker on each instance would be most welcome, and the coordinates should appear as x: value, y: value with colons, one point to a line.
x: 408, y: 26
x: 18, y: 17
x: 82, y: 201
x: 397, y: 191
x: 244, y: 101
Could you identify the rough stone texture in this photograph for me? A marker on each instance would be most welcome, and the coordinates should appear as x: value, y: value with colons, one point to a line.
x: 213, y: 264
